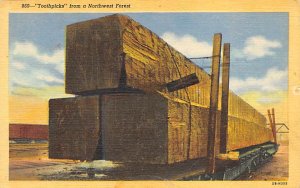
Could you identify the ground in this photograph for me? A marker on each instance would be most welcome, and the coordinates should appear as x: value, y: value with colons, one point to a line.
x: 31, y: 162
x: 276, y: 170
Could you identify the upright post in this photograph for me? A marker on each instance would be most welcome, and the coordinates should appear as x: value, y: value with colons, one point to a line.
x: 225, y: 94
x: 211, y: 148
x: 271, y: 121
x: 270, y: 118
x: 274, y: 126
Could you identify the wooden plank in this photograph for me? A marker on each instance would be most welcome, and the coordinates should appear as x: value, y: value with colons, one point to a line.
x: 225, y: 93
x: 212, y: 121
x: 183, y: 82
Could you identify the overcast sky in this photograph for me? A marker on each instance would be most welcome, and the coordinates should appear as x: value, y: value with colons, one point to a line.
x: 259, y: 45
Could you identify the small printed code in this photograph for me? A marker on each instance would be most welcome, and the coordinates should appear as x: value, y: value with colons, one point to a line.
x: 279, y: 183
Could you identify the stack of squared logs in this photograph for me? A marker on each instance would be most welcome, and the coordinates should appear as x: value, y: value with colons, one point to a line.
x: 124, y: 110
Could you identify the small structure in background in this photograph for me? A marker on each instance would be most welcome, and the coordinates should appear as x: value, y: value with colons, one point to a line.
x: 28, y: 133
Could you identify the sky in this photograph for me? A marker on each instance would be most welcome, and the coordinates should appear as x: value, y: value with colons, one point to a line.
x: 259, y: 51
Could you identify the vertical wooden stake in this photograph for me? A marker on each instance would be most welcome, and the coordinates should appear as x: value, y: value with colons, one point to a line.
x: 271, y: 121
x: 274, y: 126
x: 270, y: 118
x: 225, y: 94
x: 211, y: 148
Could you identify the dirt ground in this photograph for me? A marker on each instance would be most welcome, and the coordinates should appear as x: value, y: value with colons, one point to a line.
x: 26, y: 160
x: 275, y: 170
x: 30, y: 162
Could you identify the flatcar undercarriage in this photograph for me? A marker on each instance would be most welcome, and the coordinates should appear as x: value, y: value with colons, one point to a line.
x: 236, y: 163
x: 232, y: 166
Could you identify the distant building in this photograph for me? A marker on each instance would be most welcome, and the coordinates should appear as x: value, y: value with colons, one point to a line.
x: 28, y: 132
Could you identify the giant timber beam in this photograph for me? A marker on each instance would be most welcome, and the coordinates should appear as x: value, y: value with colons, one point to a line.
x: 212, y: 121
x: 225, y: 94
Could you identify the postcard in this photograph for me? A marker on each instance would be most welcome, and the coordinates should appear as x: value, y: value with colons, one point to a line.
x: 150, y: 94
